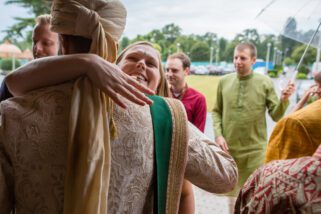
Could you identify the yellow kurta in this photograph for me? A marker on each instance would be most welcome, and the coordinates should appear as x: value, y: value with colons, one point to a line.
x: 296, y: 135
x: 239, y: 116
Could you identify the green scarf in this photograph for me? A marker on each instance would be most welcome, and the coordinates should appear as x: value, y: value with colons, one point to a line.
x: 162, y: 127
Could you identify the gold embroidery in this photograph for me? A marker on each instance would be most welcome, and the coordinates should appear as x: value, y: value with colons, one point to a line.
x: 178, y: 156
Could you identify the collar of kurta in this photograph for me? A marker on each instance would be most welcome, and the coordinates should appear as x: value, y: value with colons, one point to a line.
x: 245, y: 77
x: 179, y: 95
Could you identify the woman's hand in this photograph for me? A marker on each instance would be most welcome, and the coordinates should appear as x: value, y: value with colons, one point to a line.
x: 221, y: 142
x: 114, y: 82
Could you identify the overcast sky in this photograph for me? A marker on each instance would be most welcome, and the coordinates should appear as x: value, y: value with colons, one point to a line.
x: 224, y: 17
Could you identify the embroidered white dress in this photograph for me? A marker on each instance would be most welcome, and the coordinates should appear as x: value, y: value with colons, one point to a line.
x: 33, y: 150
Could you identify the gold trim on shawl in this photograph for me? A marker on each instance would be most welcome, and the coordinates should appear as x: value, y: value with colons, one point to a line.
x: 178, y: 155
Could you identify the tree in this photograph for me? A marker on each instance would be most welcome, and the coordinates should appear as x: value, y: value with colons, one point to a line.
x: 210, y: 38
x: 198, y: 46
x: 124, y: 43
x: 262, y: 47
x: 6, y: 65
x: 186, y: 42
x: 249, y: 35
x: 171, y: 32
x: 309, y: 57
x: 156, y: 35
x: 35, y: 7
x: 222, y: 45
x: 229, y: 51
x: 200, y: 51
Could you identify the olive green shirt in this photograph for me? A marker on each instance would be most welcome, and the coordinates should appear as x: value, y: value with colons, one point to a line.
x: 239, y: 116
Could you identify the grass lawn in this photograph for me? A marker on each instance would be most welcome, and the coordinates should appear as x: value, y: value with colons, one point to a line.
x: 207, y: 85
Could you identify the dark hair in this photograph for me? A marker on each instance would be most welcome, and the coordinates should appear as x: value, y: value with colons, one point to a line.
x: 79, y: 43
x: 183, y: 58
x: 247, y: 45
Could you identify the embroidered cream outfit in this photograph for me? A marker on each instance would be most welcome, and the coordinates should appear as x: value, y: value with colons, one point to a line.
x: 33, y: 149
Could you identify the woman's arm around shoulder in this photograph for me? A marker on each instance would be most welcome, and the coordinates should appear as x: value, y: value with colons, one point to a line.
x: 54, y: 70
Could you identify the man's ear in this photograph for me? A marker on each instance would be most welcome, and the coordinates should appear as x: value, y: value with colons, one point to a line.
x: 187, y: 70
x: 253, y: 60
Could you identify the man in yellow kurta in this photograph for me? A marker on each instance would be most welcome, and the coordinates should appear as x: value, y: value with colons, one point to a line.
x: 296, y: 135
x: 239, y: 111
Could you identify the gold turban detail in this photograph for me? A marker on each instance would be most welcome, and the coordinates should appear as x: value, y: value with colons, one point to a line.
x: 101, y: 21
x: 91, y: 126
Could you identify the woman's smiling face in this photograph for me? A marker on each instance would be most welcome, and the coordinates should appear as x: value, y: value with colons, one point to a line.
x: 142, y: 63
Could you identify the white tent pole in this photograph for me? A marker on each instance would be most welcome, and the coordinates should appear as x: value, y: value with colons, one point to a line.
x: 267, y: 58
x: 13, y: 62
x: 317, y: 60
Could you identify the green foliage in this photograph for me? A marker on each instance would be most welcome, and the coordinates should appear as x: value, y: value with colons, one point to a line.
x: 198, y: 46
x: 248, y: 35
x: 171, y: 32
x: 6, y: 65
x: 186, y: 42
x: 273, y: 73
x: 309, y: 57
x: 124, y: 43
x: 263, y: 46
x: 169, y: 36
x: 304, y: 69
x: 200, y: 51
x: 288, y: 61
x: 229, y: 51
x: 222, y: 46
x: 278, y: 68
x: 301, y: 76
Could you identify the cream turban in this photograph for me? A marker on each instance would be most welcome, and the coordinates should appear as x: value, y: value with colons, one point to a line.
x: 90, y: 125
x: 99, y: 20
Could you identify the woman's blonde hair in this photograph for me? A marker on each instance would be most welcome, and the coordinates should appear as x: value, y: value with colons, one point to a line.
x: 162, y: 88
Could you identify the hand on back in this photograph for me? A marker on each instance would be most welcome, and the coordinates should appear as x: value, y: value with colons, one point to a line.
x: 113, y: 81
x: 222, y: 143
